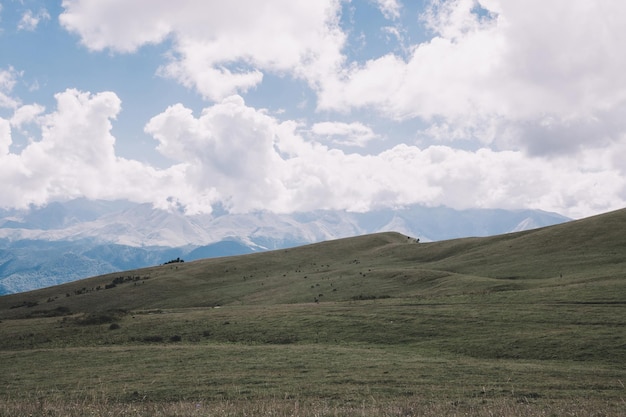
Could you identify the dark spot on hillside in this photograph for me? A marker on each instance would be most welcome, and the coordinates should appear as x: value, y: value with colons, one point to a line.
x: 26, y: 304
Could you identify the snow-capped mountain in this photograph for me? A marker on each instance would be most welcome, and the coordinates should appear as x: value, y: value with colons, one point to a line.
x: 62, y: 242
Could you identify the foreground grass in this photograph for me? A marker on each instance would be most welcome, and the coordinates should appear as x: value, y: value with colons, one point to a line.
x: 465, y: 356
x: 348, y: 374
x: 38, y: 407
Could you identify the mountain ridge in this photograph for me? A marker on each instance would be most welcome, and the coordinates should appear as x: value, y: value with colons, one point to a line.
x: 570, y: 262
x: 149, y: 236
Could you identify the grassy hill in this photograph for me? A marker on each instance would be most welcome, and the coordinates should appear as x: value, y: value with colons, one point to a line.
x: 514, y: 324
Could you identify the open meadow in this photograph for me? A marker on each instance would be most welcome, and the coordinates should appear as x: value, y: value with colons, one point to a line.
x: 523, y: 324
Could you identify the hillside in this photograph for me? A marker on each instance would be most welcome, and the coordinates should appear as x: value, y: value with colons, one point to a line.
x: 561, y: 257
x: 526, y: 323
x: 63, y: 242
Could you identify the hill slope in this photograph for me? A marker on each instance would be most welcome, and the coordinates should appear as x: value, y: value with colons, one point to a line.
x: 63, y: 242
x: 565, y: 258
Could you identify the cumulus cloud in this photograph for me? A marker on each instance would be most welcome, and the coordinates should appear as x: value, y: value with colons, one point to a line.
x: 31, y: 20
x: 228, y: 151
x: 253, y: 161
x: 349, y: 134
x: 389, y: 8
x: 8, y: 78
x: 73, y: 156
x: 5, y: 137
x: 530, y: 76
x: 538, y: 86
x: 219, y: 48
x: 247, y: 160
x: 502, y: 71
x: 26, y: 114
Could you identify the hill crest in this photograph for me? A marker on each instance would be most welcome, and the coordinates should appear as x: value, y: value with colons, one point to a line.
x: 389, y: 264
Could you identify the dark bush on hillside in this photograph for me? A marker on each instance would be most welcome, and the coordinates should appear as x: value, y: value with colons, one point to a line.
x: 362, y: 297
x: 26, y: 304
x: 121, y: 280
x: 118, y: 280
x: 57, y: 312
x: 174, y: 261
x: 114, y: 326
x: 93, y: 319
x: 107, y: 317
x: 176, y: 338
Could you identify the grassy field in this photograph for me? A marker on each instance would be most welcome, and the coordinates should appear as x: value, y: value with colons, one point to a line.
x: 525, y: 324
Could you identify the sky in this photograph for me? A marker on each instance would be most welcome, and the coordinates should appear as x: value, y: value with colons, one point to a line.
x: 299, y: 105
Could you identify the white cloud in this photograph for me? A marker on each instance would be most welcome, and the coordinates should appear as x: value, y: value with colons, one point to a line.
x: 228, y: 152
x: 5, y: 137
x: 219, y: 48
x: 389, y: 8
x: 30, y: 20
x: 251, y: 161
x: 117, y: 24
x: 248, y: 160
x: 74, y: 156
x: 509, y: 74
x: 350, y: 134
x: 8, y: 78
x: 525, y: 74
x: 453, y: 19
x: 26, y: 114
x: 194, y: 69
x: 538, y: 85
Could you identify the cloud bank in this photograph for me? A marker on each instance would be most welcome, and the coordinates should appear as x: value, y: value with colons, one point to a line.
x: 248, y: 160
x: 520, y: 105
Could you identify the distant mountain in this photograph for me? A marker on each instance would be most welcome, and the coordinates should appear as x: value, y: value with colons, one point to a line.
x: 62, y: 242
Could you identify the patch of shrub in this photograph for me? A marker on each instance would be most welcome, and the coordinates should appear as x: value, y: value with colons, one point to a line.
x: 26, y: 304
x: 121, y: 280
x: 176, y: 338
x: 362, y: 297
x: 92, y: 319
x: 101, y: 318
x: 174, y: 261
x: 62, y: 310
x: 114, y: 326
x: 118, y: 280
x: 56, y: 312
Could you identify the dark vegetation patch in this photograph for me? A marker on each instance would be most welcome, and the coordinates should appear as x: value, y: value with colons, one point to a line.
x: 97, y: 318
x: 122, y: 280
x: 174, y: 261
x: 26, y: 304
x: 55, y: 312
x: 153, y: 339
x: 362, y: 297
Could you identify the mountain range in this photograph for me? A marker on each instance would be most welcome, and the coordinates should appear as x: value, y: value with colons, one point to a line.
x: 66, y: 241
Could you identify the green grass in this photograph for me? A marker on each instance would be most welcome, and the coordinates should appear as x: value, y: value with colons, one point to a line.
x: 530, y: 323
